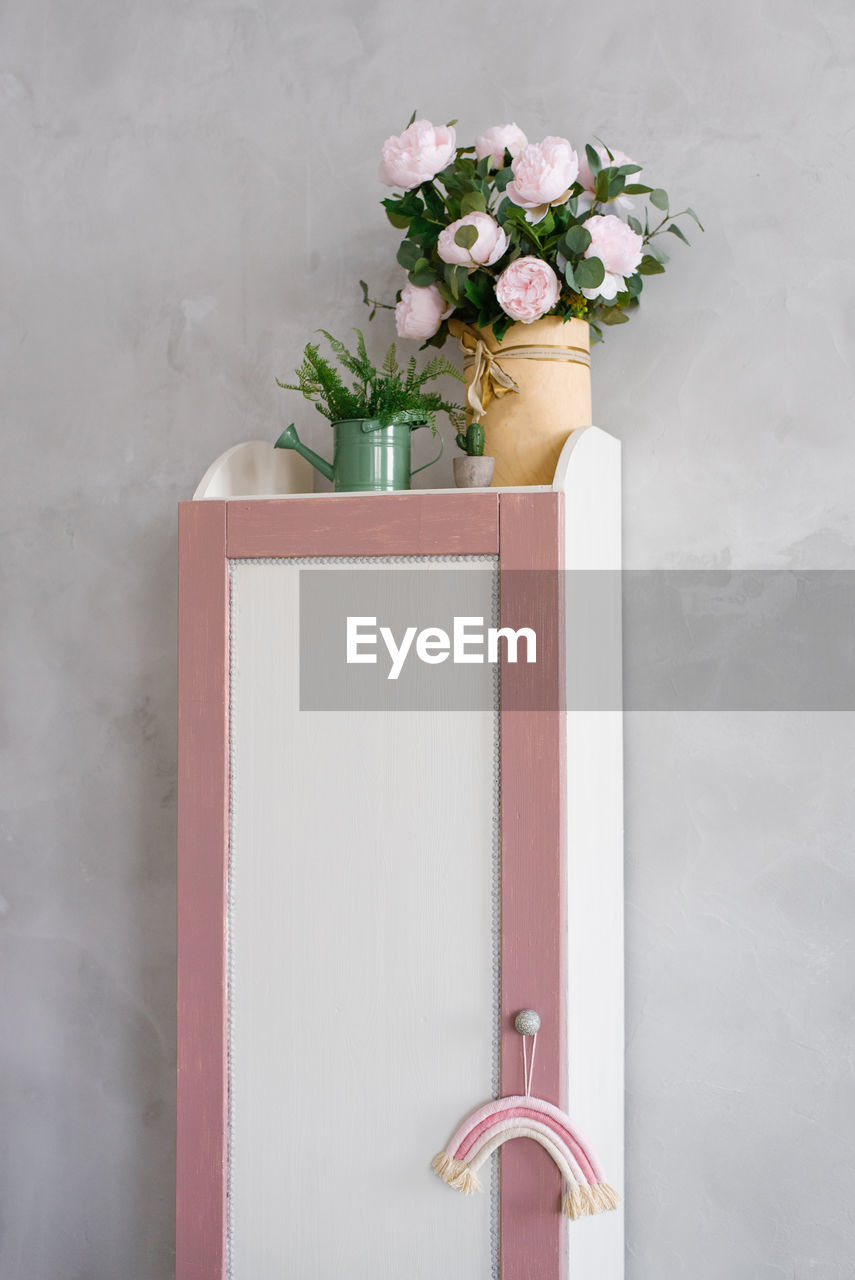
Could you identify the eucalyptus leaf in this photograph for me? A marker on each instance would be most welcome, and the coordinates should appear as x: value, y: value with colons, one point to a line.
x: 659, y: 198
x: 466, y: 236
x: 398, y: 220
x: 650, y: 267
x: 692, y: 214
x: 576, y: 240
x: 595, y: 164
x: 601, y: 187
x: 502, y: 178
x: 412, y: 117
x: 626, y: 169
x: 675, y: 231
x: 457, y: 277
x: 422, y: 274
x: 614, y: 315
x: 634, y: 224
x: 637, y: 189
x: 408, y: 254
x: 473, y: 202
x: 570, y: 277
x: 616, y: 186
x: 589, y: 273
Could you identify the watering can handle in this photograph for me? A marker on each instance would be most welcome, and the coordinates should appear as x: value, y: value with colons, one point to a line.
x: 432, y: 461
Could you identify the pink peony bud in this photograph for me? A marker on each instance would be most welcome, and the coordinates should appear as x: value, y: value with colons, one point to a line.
x: 420, y: 312
x: 487, y: 249
x: 416, y: 155
x: 496, y: 141
x: 527, y: 289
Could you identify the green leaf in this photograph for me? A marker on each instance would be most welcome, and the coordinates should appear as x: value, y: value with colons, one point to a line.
x: 502, y: 178
x: 656, y: 251
x: 422, y: 274
x: 692, y: 214
x: 466, y: 236
x: 626, y: 169
x: 675, y: 231
x: 650, y: 267
x: 576, y: 240
x: 408, y: 254
x: 637, y: 189
x: 398, y: 220
x: 423, y: 231
x: 570, y: 277
x: 595, y: 164
x: 634, y: 225
x: 659, y: 198
x: 450, y: 124
x: 410, y: 203
x: 614, y: 315
x: 473, y: 202
x: 616, y: 186
x: 634, y: 286
x: 589, y: 273
x: 456, y: 277
x: 434, y: 202
x: 601, y: 189
x: 412, y: 117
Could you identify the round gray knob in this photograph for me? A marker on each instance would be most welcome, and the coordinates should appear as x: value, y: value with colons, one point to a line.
x: 527, y: 1022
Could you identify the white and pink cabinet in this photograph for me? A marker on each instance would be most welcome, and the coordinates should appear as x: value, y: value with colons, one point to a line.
x: 367, y: 898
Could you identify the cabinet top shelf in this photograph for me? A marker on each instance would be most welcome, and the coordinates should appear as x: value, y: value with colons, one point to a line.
x: 257, y: 471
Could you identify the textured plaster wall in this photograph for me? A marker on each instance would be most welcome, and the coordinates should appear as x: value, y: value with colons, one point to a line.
x: 186, y: 190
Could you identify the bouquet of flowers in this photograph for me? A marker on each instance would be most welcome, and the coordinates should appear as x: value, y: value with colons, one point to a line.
x: 508, y: 230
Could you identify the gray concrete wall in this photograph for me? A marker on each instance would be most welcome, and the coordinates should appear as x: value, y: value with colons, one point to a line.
x: 186, y: 191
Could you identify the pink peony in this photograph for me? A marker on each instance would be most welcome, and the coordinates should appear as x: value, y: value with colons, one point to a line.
x: 487, y: 249
x: 416, y: 155
x: 621, y: 204
x: 420, y: 312
x: 544, y: 172
x: 527, y: 289
x: 496, y: 141
x: 619, y: 249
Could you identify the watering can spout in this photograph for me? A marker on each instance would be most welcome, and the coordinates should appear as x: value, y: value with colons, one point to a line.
x: 290, y: 440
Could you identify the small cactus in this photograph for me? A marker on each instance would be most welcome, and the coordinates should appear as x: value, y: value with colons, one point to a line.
x: 471, y: 441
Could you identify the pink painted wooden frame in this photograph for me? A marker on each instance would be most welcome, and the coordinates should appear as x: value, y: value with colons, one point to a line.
x: 525, y: 531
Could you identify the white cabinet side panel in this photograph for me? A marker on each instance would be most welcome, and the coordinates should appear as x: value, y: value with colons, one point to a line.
x: 362, y: 1002
x: 589, y: 476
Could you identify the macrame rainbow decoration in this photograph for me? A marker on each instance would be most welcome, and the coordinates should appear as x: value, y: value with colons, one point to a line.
x: 523, y: 1116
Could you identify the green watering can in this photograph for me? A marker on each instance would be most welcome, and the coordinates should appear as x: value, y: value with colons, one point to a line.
x: 367, y: 456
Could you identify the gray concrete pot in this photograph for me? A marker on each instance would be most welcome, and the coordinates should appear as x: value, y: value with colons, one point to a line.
x: 473, y: 473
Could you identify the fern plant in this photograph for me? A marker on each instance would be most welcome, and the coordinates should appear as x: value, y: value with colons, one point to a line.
x: 390, y: 394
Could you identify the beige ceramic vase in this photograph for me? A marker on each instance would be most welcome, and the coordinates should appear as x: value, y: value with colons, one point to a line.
x: 525, y: 430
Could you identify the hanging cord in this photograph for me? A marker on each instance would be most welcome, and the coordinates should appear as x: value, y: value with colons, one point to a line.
x: 528, y: 1067
x: 527, y: 1023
